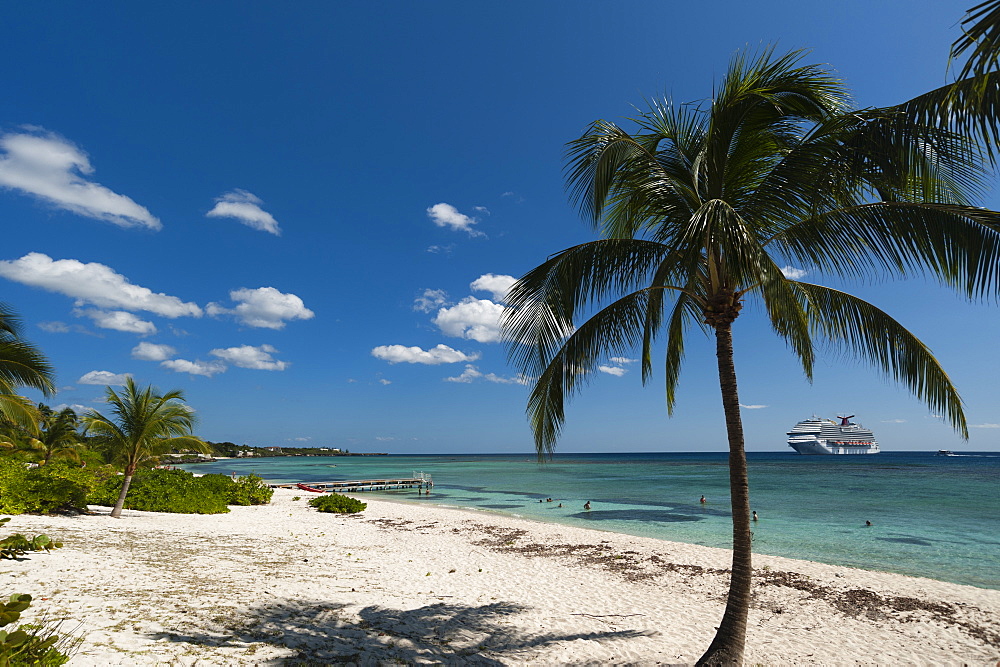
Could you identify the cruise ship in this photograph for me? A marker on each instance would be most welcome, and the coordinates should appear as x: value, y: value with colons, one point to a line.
x: 817, y: 435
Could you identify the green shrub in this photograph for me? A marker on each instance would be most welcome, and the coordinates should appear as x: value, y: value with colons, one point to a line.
x: 250, y: 490
x: 31, y: 644
x: 47, y: 489
x: 161, y: 490
x: 217, y: 484
x: 14, y: 546
x: 334, y: 502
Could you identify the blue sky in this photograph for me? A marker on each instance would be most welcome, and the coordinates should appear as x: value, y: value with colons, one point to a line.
x: 304, y: 215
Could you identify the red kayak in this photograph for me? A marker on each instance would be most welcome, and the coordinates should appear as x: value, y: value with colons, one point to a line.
x: 310, y: 488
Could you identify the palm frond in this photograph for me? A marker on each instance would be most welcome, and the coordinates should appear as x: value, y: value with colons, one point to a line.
x: 612, y: 331
x: 956, y: 245
x: 545, y: 303
x: 981, y: 38
x: 861, y: 328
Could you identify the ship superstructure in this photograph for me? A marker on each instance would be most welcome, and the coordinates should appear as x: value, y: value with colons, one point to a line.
x: 818, y: 435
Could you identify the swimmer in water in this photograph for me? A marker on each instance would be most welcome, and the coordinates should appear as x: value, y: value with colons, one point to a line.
x: 586, y: 505
x: 754, y: 516
x: 703, y: 499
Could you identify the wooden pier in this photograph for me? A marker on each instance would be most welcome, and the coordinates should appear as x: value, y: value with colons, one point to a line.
x: 419, y: 480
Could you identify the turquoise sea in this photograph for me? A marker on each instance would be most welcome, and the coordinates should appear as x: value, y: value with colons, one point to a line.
x: 932, y: 516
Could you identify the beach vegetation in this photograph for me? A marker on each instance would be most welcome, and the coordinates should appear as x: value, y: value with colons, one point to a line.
x: 702, y: 208
x: 246, y: 490
x: 335, y: 502
x: 14, y: 546
x: 31, y: 644
x: 250, y: 490
x: 57, y: 488
x: 143, y: 425
x: 161, y: 490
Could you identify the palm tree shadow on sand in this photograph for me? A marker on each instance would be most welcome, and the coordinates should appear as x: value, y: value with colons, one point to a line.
x: 324, y: 633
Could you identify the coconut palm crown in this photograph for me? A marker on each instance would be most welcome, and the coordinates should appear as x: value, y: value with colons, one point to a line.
x: 21, y: 365
x: 699, y: 208
x: 144, y: 426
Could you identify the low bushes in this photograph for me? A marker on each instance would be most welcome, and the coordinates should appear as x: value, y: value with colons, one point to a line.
x: 334, y: 502
x: 50, y: 489
x: 164, y: 491
x: 57, y: 488
x: 161, y: 490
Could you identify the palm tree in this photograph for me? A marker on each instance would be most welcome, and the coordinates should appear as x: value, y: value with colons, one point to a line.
x: 705, y: 204
x: 145, y: 425
x: 58, y: 435
x: 21, y: 365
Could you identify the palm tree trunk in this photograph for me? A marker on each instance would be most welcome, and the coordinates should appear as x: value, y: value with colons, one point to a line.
x: 730, y: 639
x: 117, y: 511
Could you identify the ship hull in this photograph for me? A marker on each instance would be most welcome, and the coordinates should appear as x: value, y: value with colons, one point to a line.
x: 821, y: 448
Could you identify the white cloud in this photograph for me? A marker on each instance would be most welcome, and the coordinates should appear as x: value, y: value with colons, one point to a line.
x: 264, y: 307
x: 118, y: 320
x: 481, y: 209
x: 753, y: 407
x: 429, y: 300
x: 440, y: 354
x: 384, y: 438
x: 103, y: 377
x: 75, y: 407
x: 446, y: 215
x: 613, y: 370
x: 984, y: 425
x: 383, y: 381
x: 92, y: 283
x: 472, y: 318
x: 54, y: 327
x: 622, y: 360
x: 152, y: 352
x: 438, y: 249
x: 245, y: 207
x: 498, y: 286
x: 471, y: 374
x: 894, y: 421
x: 206, y: 368
x: 54, y: 170
x: 792, y: 273
x: 248, y: 356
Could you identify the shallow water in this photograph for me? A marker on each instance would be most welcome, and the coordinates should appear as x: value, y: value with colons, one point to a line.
x: 932, y: 516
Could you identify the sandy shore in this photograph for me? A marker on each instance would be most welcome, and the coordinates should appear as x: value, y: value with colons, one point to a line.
x: 403, y: 583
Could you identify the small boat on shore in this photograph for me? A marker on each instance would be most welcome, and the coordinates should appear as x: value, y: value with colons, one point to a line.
x: 306, y: 487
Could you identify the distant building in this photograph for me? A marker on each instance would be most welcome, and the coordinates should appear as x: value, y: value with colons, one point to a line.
x: 276, y: 450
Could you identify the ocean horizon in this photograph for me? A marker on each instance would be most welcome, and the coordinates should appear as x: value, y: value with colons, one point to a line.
x: 932, y: 516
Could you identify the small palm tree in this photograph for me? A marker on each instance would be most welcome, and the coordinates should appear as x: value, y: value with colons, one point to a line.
x: 21, y: 365
x: 700, y: 207
x: 58, y: 435
x: 145, y: 426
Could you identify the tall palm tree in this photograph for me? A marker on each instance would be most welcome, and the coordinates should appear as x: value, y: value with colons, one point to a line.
x: 145, y: 425
x: 21, y: 365
x: 701, y: 206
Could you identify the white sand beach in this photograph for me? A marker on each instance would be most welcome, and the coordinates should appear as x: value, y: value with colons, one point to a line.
x: 412, y: 583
